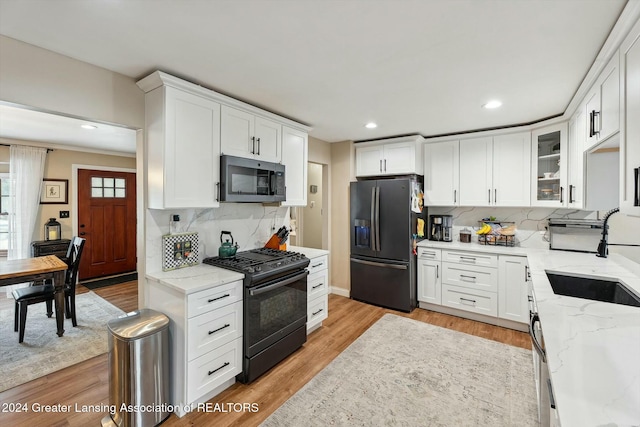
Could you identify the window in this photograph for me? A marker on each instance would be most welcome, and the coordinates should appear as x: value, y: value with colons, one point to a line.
x: 107, y: 187
x: 5, y: 208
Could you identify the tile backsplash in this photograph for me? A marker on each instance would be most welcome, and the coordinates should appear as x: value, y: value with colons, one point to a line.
x: 251, y: 225
x: 530, y: 222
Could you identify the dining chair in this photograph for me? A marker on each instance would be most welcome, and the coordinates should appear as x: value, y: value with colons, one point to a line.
x: 25, y: 297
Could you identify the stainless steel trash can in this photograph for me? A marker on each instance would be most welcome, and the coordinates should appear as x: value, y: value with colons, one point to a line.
x: 139, y: 388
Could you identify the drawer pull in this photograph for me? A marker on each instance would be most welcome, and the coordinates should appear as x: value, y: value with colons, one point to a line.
x: 428, y: 255
x: 317, y: 286
x: 217, y: 369
x: 467, y: 259
x: 219, y: 329
x: 216, y: 299
x: 317, y: 312
x: 462, y: 277
x: 470, y: 300
x: 316, y: 265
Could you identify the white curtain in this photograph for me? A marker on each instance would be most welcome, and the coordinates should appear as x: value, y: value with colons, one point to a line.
x: 26, y: 170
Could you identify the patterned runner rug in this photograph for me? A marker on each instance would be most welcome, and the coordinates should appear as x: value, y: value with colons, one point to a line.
x: 42, y: 351
x: 409, y: 373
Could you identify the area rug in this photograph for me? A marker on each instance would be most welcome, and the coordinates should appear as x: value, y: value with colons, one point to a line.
x: 402, y: 372
x: 42, y: 351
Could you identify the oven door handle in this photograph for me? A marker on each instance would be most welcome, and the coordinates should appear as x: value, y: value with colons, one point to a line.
x: 536, y: 345
x: 278, y: 284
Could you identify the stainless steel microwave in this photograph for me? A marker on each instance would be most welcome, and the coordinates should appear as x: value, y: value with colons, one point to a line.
x: 250, y: 180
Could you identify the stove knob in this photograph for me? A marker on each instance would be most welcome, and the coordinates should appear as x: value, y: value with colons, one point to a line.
x: 257, y: 268
x: 249, y: 269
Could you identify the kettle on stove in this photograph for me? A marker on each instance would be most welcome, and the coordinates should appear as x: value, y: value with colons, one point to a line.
x: 228, y: 248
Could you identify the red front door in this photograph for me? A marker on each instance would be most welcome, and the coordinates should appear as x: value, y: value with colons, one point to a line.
x: 107, y: 219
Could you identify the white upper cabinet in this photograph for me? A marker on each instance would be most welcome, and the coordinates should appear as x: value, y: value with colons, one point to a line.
x: 576, y: 161
x: 441, y: 173
x: 549, y: 166
x: 294, y: 158
x: 183, y: 149
x: 250, y: 136
x: 494, y: 171
x: 476, y: 169
x: 603, y: 104
x: 396, y: 156
x: 630, y: 123
x: 512, y: 169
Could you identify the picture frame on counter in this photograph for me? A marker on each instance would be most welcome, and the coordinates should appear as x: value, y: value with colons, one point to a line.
x: 54, y: 192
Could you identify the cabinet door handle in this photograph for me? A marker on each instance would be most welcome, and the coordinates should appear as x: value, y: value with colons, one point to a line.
x: 226, y: 325
x: 489, y: 191
x: 526, y: 274
x: 253, y: 145
x: 592, y: 123
x: 455, y: 196
x: 561, y: 194
x: 216, y: 299
x: 495, y: 195
x: 636, y: 177
x: 385, y: 165
x: 258, y: 141
x: 571, y: 193
x: 217, y: 191
x: 380, y: 165
x: 437, y: 271
x: 217, y: 369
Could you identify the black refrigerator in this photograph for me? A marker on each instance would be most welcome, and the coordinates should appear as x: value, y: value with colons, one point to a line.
x: 384, y: 219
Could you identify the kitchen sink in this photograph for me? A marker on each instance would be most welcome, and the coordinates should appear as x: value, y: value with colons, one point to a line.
x: 594, y: 289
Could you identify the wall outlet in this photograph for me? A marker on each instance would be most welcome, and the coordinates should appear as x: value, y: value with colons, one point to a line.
x: 64, y: 214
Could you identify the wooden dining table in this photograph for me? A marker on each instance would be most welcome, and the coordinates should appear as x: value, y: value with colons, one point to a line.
x: 37, y: 269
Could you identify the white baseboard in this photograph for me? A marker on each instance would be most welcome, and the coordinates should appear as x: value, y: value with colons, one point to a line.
x: 339, y: 291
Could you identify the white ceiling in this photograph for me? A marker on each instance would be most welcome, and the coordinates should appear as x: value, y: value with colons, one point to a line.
x: 413, y: 66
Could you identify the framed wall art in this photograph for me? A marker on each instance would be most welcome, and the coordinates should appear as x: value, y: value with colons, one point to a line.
x: 54, y: 191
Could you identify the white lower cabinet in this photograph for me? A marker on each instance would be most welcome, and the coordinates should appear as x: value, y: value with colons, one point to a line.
x: 513, y: 288
x: 317, y: 292
x: 459, y: 282
x: 429, y: 278
x: 206, y: 339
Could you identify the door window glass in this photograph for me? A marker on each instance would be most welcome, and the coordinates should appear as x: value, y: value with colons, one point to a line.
x: 108, y: 187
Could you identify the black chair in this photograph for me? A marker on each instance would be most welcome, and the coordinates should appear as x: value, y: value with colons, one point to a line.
x: 24, y: 297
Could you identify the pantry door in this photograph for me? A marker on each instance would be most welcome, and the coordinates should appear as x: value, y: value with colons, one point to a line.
x: 107, y: 220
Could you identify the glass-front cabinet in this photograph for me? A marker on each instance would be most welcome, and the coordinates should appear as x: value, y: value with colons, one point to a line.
x: 549, y: 166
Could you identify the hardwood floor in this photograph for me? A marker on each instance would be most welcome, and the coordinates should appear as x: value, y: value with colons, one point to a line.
x: 87, y: 383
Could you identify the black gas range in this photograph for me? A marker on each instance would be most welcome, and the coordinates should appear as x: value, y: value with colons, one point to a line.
x: 261, y: 264
x: 274, y: 306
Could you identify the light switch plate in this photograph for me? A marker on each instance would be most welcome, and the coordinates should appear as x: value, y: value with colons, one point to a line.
x: 64, y: 214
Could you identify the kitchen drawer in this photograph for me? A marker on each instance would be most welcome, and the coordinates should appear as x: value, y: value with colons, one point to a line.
x: 212, y: 298
x: 317, y: 310
x: 470, y: 258
x: 472, y: 300
x: 429, y: 254
x: 317, y: 284
x: 213, y: 329
x: 214, y: 368
x: 318, y: 264
x: 474, y: 277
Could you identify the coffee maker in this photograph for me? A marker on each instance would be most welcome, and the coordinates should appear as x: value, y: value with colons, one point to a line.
x: 441, y: 228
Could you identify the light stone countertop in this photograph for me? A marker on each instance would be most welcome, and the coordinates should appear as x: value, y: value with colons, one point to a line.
x: 308, y: 252
x: 593, y: 348
x: 194, y: 279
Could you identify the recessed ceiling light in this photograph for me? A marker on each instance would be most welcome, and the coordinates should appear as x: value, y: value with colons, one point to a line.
x: 371, y: 125
x: 492, y: 104
x: 88, y: 127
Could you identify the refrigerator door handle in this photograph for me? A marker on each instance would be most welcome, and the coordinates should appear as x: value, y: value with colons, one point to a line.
x: 377, y: 222
x: 380, y: 264
x: 373, y: 218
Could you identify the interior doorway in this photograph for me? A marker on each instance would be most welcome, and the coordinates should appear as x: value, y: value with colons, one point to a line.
x: 311, y: 221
